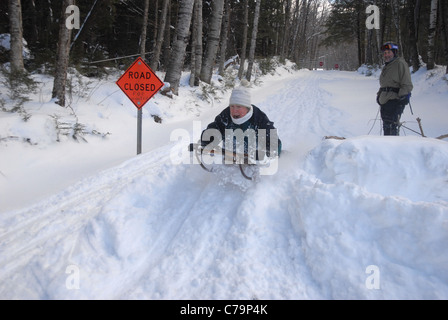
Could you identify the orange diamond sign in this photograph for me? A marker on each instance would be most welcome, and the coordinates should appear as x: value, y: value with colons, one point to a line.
x: 139, y: 83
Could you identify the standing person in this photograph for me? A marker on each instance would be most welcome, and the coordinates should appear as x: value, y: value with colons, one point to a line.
x: 241, y: 115
x: 395, y: 89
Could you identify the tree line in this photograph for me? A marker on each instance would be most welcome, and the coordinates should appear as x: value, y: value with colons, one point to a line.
x: 200, y: 36
x: 418, y: 27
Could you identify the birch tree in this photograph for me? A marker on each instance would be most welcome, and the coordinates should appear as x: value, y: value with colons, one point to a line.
x: 16, y: 31
x: 253, y: 42
x: 431, y: 34
x: 199, y: 48
x: 196, y: 45
x: 224, y: 34
x: 62, y: 57
x: 166, y: 45
x: 160, y: 35
x: 212, y: 40
x: 180, y: 42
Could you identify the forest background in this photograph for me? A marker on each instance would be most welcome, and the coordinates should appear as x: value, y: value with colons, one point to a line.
x: 180, y: 35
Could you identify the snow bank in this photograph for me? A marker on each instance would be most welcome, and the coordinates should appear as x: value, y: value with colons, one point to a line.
x: 410, y: 167
x: 375, y: 201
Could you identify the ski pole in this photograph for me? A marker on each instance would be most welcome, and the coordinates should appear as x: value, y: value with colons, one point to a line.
x: 410, y: 107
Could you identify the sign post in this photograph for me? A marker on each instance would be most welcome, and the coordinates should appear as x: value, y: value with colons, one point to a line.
x: 139, y: 130
x: 140, y: 84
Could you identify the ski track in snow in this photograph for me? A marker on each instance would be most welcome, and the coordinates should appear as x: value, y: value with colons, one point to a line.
x: 150, y: 229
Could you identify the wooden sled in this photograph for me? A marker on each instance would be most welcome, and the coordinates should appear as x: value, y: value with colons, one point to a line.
x: 244, y: 161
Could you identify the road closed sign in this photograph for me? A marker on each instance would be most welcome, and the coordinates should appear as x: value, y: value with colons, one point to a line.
x: 139, y: 83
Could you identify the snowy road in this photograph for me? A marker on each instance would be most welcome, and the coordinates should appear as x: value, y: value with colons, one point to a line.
x: 151, y: 229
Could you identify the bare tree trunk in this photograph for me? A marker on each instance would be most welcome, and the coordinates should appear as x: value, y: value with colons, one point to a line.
x: 412, y: 36
x: 34, y: 37
x: 396, y: 20
x: 193, y: 43
x: 212, y: 40
x: 286, y: 28
x: 369, y: 46
x: 383, y: 26
x: 431, y: 34
x: 444, y: 17
x: 295, y: 34
x: 418, y: 5
x: 63, y: 56
x: 177, y: 58
x: 378, y: 55
x: 16, y: 31
x: 253, y: 41
x: 155, y: 30
x: 160, y: 35
x: 244, y: 47
x: 144, y: 30
x: 301, y: 47
x: 224, y: 33
x: 198, y: 44
x: 359, y: 32
x: 166, y: 46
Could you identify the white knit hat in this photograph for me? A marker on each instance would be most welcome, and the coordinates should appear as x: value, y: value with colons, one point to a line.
x: 241, y: 96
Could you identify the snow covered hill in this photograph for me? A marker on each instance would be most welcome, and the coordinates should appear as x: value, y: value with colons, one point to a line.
x: 360, y: 218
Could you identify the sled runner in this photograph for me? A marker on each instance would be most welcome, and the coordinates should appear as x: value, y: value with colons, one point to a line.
x: 207, y: 158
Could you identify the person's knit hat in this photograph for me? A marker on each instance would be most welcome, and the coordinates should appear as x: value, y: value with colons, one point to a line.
x: 241, y: 96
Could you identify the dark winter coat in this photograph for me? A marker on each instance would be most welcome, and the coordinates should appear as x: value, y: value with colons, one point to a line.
x: 259, y: 120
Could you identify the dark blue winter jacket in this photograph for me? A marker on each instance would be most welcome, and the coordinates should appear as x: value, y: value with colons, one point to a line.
x: 255, y: 125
